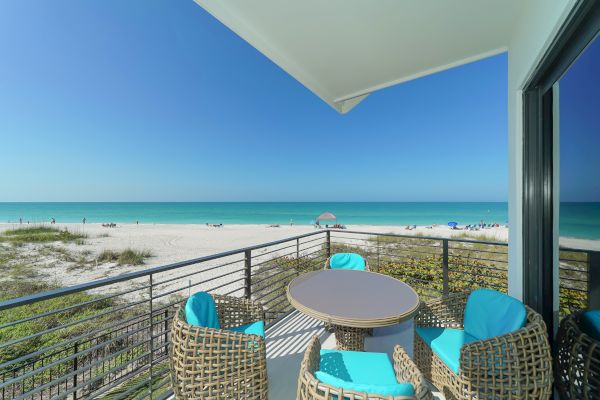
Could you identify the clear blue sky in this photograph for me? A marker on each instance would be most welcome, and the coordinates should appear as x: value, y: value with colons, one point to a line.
x: 145, y: 100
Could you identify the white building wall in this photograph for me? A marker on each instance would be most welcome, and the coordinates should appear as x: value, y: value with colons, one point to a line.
x: 534, y: 32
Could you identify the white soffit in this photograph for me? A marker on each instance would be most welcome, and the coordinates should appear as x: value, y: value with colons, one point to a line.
x: 342, y: 50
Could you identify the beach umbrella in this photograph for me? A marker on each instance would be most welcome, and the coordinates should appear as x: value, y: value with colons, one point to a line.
x: 452, y: 224
x: 326, y: 216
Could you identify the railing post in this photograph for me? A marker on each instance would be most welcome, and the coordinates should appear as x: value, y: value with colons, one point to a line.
x: 75, y: 367
x: 594, y: 280
x: 151, y: 293
x: 248, y: 274
x: 298, y: 254
x: 446, y: 289
x: 378, y: 264
x: 328, y: 243
x: 166, y: 334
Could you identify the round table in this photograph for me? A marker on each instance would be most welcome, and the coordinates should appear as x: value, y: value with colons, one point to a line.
x: 352, y: 301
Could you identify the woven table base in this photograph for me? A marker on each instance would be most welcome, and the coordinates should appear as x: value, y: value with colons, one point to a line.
x: 347, y: 338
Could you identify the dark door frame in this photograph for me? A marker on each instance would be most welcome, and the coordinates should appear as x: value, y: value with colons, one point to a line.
x: 579, y: 30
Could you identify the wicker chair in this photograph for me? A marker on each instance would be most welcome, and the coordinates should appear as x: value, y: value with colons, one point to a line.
x: 517, y: 365
x: 577, y: 361
x: 310, y: 388
x: 215, y: 364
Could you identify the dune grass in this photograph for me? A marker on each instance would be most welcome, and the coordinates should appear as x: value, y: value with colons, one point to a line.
x: 125, y: 257
x: 477, y: 236
x: 41, y: 234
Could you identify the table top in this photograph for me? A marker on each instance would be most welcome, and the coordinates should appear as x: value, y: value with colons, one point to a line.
x: 358, y: 299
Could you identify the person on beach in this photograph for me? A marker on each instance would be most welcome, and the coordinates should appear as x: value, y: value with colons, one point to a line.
x: 83, y: 220
x: 20, y: 221
x: 52, y: 221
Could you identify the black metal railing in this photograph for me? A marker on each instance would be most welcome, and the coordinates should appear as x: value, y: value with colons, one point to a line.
x: 109, y: 338
x: 433, y: 266
x: 579, y: 274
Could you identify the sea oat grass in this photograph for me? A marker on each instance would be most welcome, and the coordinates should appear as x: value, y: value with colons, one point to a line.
x: 125, y: 257
x: 40, y: 234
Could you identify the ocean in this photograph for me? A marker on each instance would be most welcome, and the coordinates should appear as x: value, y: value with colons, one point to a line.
x: 581, y: 220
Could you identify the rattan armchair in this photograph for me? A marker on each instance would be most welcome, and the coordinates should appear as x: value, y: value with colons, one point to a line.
x: 215, y: 364
x: 310, y: 388
x: 517, y: 365
x: 577, y: 361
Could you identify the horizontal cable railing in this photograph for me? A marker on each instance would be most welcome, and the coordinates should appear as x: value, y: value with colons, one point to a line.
x: 109, y: 338
x: 432, y: 266
x: 439, y: 266
x: 578, y: 268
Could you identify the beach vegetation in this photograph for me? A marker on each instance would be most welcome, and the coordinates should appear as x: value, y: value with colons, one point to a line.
x: 477, y: 236
x: 271, y: 278
x: 65, y: 334
x: 125, y: 257
x: 40, y: 234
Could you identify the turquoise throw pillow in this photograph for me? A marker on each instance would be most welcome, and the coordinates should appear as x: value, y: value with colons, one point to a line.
x: 446, y: 343
x: 200, y: 310
x: 255, y: 328
x: 362, y: 372
x: 347, y: 261
x: 489, y: 313
x: 590, y: 323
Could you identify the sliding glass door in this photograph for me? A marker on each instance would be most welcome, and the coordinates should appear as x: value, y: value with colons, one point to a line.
x: 561, y: 172
x: 577, y: 141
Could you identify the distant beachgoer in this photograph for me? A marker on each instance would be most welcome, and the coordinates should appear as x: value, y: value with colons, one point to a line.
x: 137, y: 222
x: 83, y: 220
x: 21, y: 221
x: 53, y: 221
x: 291, y: 221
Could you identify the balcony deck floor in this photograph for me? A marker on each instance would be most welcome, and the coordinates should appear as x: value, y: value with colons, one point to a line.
x: 288, y: 338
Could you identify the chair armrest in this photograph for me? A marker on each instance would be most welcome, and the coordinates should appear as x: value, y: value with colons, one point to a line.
x: 524, y: 352
x: 407, y: 371
x: 312, y: 356
x: 446, y: 312
x: 236, y: 311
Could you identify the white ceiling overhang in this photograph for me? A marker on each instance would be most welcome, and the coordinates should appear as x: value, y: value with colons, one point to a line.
x: 342, y: 50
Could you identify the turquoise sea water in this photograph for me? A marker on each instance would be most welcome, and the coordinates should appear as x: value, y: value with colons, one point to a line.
x: 577, y: 219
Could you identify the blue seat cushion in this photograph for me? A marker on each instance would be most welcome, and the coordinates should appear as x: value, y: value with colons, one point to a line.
x: 362, y: 372
x: 255, y: 328
x: 489, y: 313
x: 590, y: 323
x: 200, y: 310
x: 446, y: 343
x: 347, y: 261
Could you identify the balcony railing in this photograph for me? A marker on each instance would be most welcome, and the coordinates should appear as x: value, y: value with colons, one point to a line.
x: 109, y: 338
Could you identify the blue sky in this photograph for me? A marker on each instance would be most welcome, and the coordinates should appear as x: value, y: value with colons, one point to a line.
x: 156, y: 101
